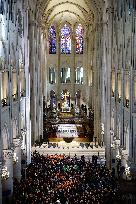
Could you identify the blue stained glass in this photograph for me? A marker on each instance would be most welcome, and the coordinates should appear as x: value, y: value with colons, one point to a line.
x: 79, y: 39
x: 52, y: 40
x: 65, y: 40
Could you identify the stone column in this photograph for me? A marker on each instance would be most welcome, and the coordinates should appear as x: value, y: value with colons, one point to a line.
x: 123, y: 161
x: 97, y: 87
x: 0, y: 183
x: 72, y: 67
x: 7, y: 185
x: 116, y: 102
x: 0, y: 142
x: 33, y: 76
x: 90, y: 67
x: 107, y: 64
x: 58, y: 81
x: 113, y: 157
x: 85, y: 68
x: 17, y: 163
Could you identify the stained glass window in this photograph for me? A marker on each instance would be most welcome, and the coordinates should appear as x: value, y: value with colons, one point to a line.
x: 79, y: 39
x: 65, y: 40
x: 52, y: 40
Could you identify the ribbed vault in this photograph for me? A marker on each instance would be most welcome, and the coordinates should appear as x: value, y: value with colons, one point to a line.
x: 72, y: 11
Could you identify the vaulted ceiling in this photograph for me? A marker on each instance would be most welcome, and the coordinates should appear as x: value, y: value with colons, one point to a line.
x: 72, y: 11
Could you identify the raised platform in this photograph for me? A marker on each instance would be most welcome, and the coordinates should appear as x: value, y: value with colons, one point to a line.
x: 66, y: 115
x: 77, y: 139
x: 71, y: 149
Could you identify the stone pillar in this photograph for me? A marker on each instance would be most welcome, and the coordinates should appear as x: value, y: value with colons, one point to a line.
x: 0, y: 183
x: 113, y: 158
x: 90, y: 67
x: 73, y: 64
x: 123, y: 161
x: 0, y: 141
x: 107, y: 64
x: 7, y: 185
x: 58, y: 80
x: 17, y: 163
x: 85, y: 68
x: 32, y: 67
x: 97, y: 87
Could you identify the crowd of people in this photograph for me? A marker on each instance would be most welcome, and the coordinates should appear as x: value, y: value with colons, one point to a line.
x: 59, y: 179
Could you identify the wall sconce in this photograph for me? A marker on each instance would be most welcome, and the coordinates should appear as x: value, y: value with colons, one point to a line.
x: 5, y: 173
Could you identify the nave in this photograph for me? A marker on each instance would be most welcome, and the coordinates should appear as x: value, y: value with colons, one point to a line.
x: 76, y: 58
x: 60, y: 179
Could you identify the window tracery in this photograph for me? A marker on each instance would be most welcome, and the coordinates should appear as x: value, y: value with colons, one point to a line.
x: 52, y: 40
x: 65, y: 40
x: 79, y: 39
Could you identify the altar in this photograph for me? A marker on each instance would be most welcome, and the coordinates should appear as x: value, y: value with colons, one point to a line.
x: 66, y: 130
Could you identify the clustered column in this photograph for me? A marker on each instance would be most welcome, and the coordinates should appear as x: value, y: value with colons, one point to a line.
x: 7, y: 183
x: 17, y: 159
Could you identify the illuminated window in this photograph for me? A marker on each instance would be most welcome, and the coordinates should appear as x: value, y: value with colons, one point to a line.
x: 65, y: 40
x: 79, y: 75
x: 65, y: 75
x: 52, y: 40
x: 79, y: 39
x: 52, y: 79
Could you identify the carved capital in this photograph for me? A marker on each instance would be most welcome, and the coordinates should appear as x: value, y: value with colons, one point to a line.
x: 16, y: 143
x: 7, y: 154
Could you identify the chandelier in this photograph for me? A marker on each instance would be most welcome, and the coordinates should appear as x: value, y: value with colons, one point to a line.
x: 5, y: 173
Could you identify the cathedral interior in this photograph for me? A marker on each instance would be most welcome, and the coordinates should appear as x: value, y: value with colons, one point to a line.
x: 67, y: 85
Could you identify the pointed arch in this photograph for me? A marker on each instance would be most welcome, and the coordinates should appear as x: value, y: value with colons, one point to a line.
x: 79, y: 32
x: 52, y: 40
x: 65, y: 33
